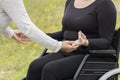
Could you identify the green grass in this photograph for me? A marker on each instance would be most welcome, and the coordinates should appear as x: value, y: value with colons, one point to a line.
x: 15, y: 57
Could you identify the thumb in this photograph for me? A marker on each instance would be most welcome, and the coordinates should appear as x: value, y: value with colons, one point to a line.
x: 79, y: 34
x: 83, y: 35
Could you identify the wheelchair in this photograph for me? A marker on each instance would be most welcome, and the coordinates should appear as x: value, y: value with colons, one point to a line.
x: 98, y: 64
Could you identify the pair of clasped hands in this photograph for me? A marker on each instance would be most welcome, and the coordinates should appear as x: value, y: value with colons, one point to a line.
x: 67, y: 46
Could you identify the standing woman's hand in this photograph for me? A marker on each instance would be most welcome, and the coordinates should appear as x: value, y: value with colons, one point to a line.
x: 20, y: 37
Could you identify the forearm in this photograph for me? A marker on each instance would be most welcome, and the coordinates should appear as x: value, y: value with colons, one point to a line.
x: 17, y: 12
x: 41, y: 38
x: 100, y: 43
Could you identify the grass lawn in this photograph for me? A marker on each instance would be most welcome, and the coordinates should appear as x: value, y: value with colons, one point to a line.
x: 15, y: 57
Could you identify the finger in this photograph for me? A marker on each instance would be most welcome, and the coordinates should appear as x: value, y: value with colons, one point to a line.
x: 23, y: 42
x: 72, y: 48
x: 19, y: 37
x: 70, y: 42
x: 20, y: 34
x: 19, y: 40
x: 75, y: 47
x: 16, y: 38
x: 83, y: 35
x: 25, y: 39
x: 74, y: 44
x: 79, y: 34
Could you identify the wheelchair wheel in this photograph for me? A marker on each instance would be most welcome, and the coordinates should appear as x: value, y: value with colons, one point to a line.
x: 110, y: 73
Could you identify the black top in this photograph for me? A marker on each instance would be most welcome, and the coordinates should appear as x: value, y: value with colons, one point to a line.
x: 97, y: 21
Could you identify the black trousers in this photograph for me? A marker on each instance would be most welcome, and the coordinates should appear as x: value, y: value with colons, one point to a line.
x: 54, y: 66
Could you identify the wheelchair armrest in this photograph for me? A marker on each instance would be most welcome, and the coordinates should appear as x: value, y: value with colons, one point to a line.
x: 103, y: 52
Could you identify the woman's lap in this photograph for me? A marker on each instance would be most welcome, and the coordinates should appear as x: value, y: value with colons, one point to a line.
x: 64, y: 67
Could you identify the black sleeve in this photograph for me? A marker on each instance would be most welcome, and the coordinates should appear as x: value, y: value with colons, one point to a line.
x: 56, y: 35
x: 106, y: 16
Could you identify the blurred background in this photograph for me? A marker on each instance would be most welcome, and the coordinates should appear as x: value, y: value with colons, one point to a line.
x: 46, y: 14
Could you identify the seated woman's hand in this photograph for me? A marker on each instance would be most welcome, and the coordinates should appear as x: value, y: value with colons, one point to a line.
x: 82, y: 40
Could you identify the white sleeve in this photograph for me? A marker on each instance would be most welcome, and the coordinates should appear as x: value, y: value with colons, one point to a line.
x: 16, y: 11
x: 8, y: 32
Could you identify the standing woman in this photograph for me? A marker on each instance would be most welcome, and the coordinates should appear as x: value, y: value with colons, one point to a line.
x: 15, y: 10
x: 96, y: 19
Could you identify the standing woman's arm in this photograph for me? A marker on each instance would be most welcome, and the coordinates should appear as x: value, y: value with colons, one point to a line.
x: 16, y: 11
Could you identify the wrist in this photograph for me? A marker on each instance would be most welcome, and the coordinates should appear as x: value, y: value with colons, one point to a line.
x: 60, y: 46
x: 86, y: 43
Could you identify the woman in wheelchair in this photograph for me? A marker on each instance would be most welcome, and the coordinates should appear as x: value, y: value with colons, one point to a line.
x: 95, y: 19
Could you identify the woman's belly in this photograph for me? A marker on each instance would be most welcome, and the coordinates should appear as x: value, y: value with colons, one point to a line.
x: 73, y: 35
